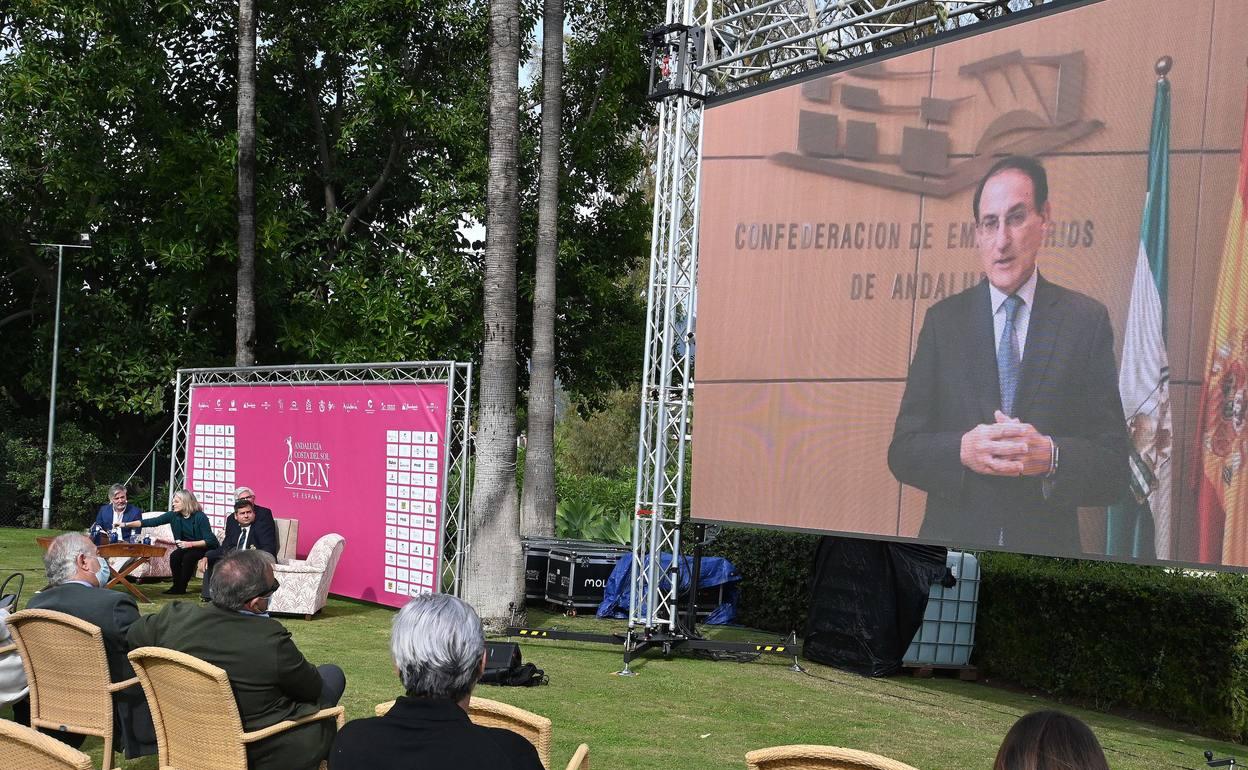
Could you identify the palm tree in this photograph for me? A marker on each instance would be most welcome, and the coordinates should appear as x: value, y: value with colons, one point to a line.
x: 494, y: 579
x: 245, y: 303
x: 537, y: 506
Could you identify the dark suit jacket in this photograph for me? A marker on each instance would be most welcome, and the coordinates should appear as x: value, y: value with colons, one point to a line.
x: 114, y: 612
x: 425, y: 733
x: 1068, y: 389
x: 104, y: 516
x: 271, y: 679
x: 263, y: 532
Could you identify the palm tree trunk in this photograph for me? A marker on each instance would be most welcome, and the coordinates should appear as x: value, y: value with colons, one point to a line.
x: 245, y: 303
x: 494, y: 578
x: 537, y: 506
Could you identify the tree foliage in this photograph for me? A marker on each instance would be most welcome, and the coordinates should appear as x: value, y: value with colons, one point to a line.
x: 120, y: 120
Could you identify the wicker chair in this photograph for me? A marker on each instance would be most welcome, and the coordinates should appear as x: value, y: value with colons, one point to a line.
x: 30, y: 749
x: 67, y: 670
x: 196, y: 717
x: 580, y: 760
x: 491, y: 713
x: 804, y: 757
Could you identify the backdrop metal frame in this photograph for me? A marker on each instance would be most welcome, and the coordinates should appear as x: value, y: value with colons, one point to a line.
x: 724, y: 47
x: 457, y: 377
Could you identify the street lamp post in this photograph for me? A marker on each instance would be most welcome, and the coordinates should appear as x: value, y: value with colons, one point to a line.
x: 56, y: 348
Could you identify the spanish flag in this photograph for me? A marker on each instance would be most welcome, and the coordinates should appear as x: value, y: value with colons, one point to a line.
x: 1222, y: 468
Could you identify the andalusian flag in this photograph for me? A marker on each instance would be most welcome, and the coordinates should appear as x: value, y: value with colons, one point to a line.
x: 1144, y: 377
x: 1222, y: 468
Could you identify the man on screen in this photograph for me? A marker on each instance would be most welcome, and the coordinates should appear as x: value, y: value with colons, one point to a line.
x: 1011, y: 417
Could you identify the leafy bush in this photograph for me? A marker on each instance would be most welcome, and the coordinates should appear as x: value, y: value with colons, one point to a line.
x: 615, y: 495
x: 77, y: 486
x: 775, y: 569
x: 1119, y: 635
x: 581, y: 520
x: 601, y: 443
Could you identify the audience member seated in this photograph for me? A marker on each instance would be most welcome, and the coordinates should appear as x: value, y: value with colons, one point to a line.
x: 242, y: 531
x: 13, y: 689
x: 1050, y: 740
x: 192, y: 537
x: 117, y: 512
x: 439, y: 652
x: 271, y: 679
x: 76, y: 573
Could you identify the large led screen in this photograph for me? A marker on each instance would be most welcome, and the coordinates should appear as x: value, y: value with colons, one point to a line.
x: 988, y: 293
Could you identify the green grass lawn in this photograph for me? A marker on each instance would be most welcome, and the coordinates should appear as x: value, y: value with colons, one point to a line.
x: 682, y: 712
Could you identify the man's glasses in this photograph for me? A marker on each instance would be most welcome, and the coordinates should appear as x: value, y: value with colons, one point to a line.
x: 990, y: 224
x: 268, y: 592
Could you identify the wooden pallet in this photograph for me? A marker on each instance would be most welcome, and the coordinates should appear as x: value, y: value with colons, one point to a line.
x: 966, y: 673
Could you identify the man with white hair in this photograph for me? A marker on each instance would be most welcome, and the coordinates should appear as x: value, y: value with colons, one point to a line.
x: 439, y: 653
x: 76, y: 574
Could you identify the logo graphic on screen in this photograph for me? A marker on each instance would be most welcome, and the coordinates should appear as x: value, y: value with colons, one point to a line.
x: 1031, y: 119
x: 307, y: 466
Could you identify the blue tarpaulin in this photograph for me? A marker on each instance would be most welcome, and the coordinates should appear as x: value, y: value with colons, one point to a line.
x: 716, y: 571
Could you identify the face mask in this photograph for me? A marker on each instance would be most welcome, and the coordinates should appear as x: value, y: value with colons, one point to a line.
x: 102, y: 574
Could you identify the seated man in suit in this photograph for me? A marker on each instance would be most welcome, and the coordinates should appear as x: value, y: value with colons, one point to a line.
x: 242, y: 531
x: 271, y: 679
x: 264, y: 516
x: 76, y: 572
x: 117, y: 511
x: 439, y: 653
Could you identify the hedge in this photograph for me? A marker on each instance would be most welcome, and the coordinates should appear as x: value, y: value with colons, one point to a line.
x: 776, y: 568
x: 1119, y: 636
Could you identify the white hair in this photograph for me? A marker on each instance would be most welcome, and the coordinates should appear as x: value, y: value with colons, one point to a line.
x: 239, y: 492
x: 437, y: 642
x: 60, y: 561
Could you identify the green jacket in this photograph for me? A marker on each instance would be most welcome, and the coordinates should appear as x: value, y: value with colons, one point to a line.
x: 271, y: 679
x: 193, y: 527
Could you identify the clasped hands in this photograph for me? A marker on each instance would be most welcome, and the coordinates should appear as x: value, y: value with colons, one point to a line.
x: 1007, y: 447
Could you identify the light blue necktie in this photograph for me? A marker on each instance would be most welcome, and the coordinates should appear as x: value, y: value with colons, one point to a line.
x: 1007, y: 356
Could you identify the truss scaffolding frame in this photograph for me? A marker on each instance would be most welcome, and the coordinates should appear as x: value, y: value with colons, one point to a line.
x: 739, y: 45
x: 456, y: 376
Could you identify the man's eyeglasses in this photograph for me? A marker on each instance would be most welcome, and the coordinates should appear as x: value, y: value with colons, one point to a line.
x: 990, y: 224
x: 268, y: 592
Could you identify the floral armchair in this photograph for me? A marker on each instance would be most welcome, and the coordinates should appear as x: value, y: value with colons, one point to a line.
x: 305, y: 582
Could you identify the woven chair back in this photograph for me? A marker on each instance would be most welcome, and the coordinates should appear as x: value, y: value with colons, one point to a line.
x: 809, y: 757
x: 30, y: 749
x: 193, y: 710
x: 67, y: 670
x: 535, y: 728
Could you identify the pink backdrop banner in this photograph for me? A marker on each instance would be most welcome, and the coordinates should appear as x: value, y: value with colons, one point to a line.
x: 366, y: 461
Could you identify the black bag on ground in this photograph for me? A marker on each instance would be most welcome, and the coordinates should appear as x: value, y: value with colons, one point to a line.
x: 504, y: 667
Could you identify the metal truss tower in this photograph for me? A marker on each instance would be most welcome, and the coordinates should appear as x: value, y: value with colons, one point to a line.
x: 715, y: 47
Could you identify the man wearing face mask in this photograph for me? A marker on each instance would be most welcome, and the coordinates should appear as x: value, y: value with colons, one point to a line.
x: 271, y: 679
x: 75, y: 574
